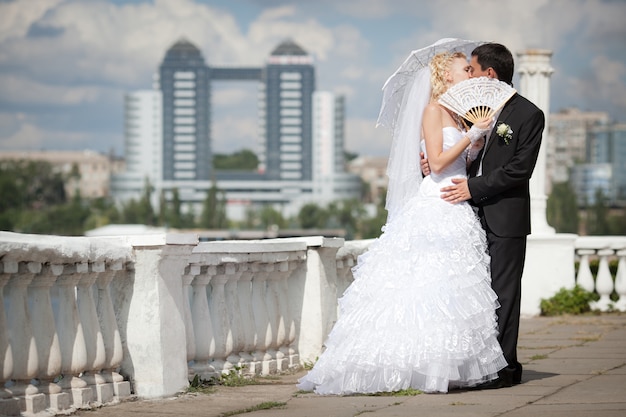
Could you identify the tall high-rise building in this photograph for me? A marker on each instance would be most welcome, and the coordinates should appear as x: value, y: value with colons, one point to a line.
x: 566, y: 144
x: 142, y: 144
x: 184, y: 83
x: 328, y: 138
x: 289, y: 85
x: 287, y: 177
x: 604, y: 167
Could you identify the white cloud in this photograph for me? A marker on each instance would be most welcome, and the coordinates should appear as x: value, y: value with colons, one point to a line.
x: 276, y: 25
x: 16, y: 17
x: 18, y: 90
x: 100, y: 41
x: 30, y: 137
x: 55, y: 52
x: 364, y: 138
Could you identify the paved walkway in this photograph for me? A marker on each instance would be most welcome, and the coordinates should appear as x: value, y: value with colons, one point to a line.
x: 574, y: 367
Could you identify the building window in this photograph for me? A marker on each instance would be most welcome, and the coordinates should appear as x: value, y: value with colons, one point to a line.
x: 184, y: 75
x: 290, y: 103
x: 290, y: 76
x: 184, y: 93
x: 184, y: 84
x: 184, y: 103
x: 290, y: 94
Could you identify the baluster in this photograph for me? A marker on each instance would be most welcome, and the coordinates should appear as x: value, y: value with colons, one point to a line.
x: 604, y: 281
x: 94, y: 342
x: 294, y: 358
x: 114, y: 353
x: 219, y: 314
x: 202, y: 325
x: 234, y: 314
x: 191, y: 271
x: 46, y: 337
x: 620, y: 280
x: 281, y: 291
x: 263, y: 338
x: 21, y: 337
x: 71, y: 336
x: 585, y: 278
x: 6, y: 353
x: 244, y: 293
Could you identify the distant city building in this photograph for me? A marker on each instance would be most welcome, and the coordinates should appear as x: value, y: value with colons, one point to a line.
x: 95, y: 169
x: 604, y: 167
x: 373, y: 172
x: 184, y: 81
x: 142, y: 145
x: 587, y: 179
x: 289, y: 85
x: 286, y: 178
x: 566, y: 144
x: 328, y: 153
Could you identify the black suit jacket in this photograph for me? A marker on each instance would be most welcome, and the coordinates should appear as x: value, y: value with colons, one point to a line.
x: 502, y: 191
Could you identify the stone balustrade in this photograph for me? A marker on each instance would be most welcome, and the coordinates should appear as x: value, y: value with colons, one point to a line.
x: 88, y: 321
x: 603, y: 249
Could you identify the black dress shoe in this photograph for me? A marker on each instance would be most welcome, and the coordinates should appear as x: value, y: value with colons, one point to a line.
x: 504, y: 380
x: 517, y: 374
x: 494, y: 384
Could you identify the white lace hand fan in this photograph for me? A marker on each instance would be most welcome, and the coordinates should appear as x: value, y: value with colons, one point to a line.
x: 477, y: 98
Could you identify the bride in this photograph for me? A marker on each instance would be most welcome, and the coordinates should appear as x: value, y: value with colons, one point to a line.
x: 421, y: 312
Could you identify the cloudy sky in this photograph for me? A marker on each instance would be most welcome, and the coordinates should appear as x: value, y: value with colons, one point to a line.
x: 65, y: 65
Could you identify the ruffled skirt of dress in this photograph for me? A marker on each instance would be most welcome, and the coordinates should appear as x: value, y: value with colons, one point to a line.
x: 420, y: 313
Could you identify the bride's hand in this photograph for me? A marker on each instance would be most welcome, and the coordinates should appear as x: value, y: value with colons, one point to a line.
x: 479, y: 129
x: 484, y: 123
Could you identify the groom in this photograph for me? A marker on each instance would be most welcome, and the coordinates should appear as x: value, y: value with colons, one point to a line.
x: 498, y: 186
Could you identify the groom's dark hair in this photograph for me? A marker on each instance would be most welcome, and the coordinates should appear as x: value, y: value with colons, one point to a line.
x: 498, y: 57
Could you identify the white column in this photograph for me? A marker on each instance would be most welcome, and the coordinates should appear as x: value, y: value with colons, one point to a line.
x: 19, y: 325
x: 110, y: 331
x: 71, y: 335
x: 6, y: 353
x: 94, y: 340
x: 535, y: 71
x: 202, y: 324
x: 44, y: 329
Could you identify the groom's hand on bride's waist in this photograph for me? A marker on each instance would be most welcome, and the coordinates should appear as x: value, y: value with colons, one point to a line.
x: 457, y: 192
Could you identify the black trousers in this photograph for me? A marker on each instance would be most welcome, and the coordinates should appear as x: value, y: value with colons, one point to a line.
x: 507, y: 264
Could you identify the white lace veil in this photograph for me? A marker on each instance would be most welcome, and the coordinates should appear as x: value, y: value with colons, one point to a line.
x: 405, y: 95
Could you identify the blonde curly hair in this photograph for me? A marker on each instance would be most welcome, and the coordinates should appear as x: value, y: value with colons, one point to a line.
x: 439, y: 66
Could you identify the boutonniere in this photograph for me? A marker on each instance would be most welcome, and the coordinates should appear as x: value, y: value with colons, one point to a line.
x: 504, y: 131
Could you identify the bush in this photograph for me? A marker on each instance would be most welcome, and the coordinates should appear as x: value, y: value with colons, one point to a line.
x: 574, y: 301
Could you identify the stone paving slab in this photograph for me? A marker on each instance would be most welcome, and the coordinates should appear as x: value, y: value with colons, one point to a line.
x: 574, y: 366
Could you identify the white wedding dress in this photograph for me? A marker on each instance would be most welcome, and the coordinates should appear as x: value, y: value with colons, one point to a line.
x: 421, y: 312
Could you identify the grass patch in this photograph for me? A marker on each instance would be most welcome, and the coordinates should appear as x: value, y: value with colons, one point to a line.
x: 268, y: 405
x: 572, y: 301
x: 234, y: 378
x: 538, y: 357
x: 409, y: 392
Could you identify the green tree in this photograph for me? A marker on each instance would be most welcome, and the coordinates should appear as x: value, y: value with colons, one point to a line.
x: 562, y: 208
x: 269, y: 216
x: 597, y: 217
x: 175, y: 219
x: 312, y: 216
x: 102, y: 211
x: 214, y: 210
x: 244, y: 160
x: 28, y: 189
x: 617, y: 223
x: 348, y: 215
x: 371, y: 227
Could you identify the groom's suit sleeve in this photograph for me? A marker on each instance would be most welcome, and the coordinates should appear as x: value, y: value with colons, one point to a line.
x: 516, y: 171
